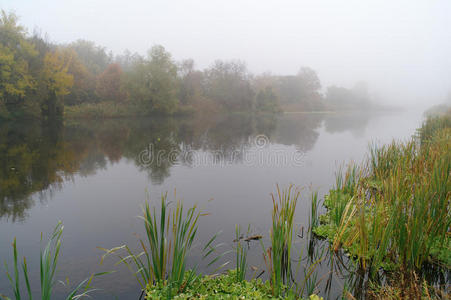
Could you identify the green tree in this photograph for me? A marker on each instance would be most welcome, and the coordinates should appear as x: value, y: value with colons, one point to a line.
x: 92, y: 56
x: 84, y: 83
x: 57, y: 81
x: 153, y: 82
x: 15, y: 53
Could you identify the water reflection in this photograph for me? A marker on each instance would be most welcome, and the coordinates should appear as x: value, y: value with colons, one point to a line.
x: 353, y: 122
x: 33, y: 159
x: 300, y: 130
x: 38, y: 158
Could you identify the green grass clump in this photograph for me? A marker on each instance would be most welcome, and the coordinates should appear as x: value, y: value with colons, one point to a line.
x: 394, y: 211
x: 313, y: 218
x: 170, y: 233
x: 278, y: 257
x: 433, y: 124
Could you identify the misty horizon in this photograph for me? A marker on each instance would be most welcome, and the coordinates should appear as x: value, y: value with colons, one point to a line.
x: 400, y: 50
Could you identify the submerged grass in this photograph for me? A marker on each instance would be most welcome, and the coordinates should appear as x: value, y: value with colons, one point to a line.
x: 394, y: 210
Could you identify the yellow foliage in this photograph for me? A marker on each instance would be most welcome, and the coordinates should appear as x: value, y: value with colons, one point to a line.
x: 55, y: 73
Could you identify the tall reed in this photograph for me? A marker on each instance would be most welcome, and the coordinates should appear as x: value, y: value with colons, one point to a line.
x: 241, y: 256
x: 396, y: 215
x: 48, y: 262
x: 169, y: 237
x: 313, y: 218
x: 279, y: 255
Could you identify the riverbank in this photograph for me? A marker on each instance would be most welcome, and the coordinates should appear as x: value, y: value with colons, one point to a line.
x: 107, y: 110
x: 111, y: 110
x: 392, y: 211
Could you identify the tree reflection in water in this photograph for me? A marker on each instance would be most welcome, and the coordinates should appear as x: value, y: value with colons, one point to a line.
x: 39, y: 157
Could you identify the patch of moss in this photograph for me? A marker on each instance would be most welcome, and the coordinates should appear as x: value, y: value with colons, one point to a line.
x: 219, y: 287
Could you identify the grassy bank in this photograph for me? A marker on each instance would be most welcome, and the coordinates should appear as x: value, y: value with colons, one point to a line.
x: 392, y: 212
x: 111, y: 110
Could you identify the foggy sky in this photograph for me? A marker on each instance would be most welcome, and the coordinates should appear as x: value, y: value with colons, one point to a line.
x: 401, y: 48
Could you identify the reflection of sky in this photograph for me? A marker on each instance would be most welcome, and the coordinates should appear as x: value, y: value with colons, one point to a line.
x: 100, y: 209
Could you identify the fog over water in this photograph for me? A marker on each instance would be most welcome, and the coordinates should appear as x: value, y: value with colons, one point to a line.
x: 105, y: 105
x: 400, y: 48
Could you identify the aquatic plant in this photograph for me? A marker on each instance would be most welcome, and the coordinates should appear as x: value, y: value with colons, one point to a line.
x: 432, y: 125
x: 313, y: 218
x: 278, y: 256
x: 395, y: 215
x: 241, y: 256
x: 49, y: 256
x: 169, y: 237
x: 223, y: 286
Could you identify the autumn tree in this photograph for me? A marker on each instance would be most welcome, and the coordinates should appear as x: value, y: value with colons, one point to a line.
x: 109, y: 84
x: 84, y: 81
x: 57, y: 81
x: 15, y: 52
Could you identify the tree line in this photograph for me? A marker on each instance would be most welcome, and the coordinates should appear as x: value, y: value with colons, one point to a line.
x: 41, y: 79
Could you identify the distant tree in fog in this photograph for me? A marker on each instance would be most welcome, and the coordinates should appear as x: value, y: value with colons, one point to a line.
x: 190, y: 81
x: 228, y: 84
x: 302, y: 90
x: 342, y: 98
x: 267, y: 100
x: 109, y: 84
x: 93, y: 57
x: 152, y: 83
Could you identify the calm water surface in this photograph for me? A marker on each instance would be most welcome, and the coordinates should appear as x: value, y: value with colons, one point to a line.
x: 94, y: 176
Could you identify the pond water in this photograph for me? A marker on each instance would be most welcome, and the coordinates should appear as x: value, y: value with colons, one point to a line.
x: 95, y: 176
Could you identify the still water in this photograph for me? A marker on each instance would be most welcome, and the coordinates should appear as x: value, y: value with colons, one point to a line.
x: 94, y: 176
